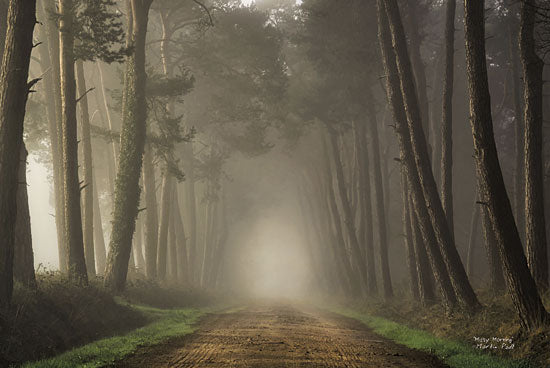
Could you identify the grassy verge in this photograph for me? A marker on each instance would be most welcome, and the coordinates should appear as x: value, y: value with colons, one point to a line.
x: 455, y: 354
x: 165, y: 324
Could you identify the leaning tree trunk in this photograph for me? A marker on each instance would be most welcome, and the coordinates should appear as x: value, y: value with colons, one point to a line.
x: 73, y: 219
x: 461, y: 284
x: 395, y: 98
x: 521, y: 285
x: 496, y: 277
x: 88, y: 185
x: 132, y: 144
x: 533, y: 65
x: 472, y: 239
x: 14, y: 91
x: 412, y: 264
x: 426, y: 290
x: 447, y: 118
x: 23, y: 265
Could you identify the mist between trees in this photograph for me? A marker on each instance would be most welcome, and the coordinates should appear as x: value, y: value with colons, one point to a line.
x: 374, y: 149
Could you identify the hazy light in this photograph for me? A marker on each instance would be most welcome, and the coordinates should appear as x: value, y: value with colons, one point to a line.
x: 279, y: 263
x: 43, y: 230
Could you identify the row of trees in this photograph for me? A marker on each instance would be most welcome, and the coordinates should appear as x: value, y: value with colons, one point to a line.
x: 101, y: 155
x: 310, y: 74
x: 346, y: 184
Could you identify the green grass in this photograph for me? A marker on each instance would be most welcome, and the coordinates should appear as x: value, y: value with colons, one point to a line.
x: 166, y: 323
x: 455, y: 354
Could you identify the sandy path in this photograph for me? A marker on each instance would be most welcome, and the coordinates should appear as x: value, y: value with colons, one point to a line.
x: 280, y: 336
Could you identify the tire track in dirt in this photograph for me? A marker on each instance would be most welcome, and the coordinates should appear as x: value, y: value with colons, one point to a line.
x: 280, y: 335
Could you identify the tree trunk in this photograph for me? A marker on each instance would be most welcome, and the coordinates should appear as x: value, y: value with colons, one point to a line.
x: 419, y: 69
x: 496, y: 277
x: 395, y: 98
x: 88, y: 179
x: 183, y: 262
x: 533, y: 65
x: 132, y: 144
x: 166, y: 204
x: 519, y: 171
x: 339, y: 247
x: 192, y: 210
x: 151, y: 219
x: 14, y: 91
x: 461, y: 284
x: 50, y: 61
x: 472, y: 239
x: 113, y: 150
x: 365, y: 219
x: 412, y: 264
x: 425, y: 284
x: 356, y: 253
x: 99, y: 240
x: 172, y: 245
x: 73, y: 218
x: 447, y: 118
x: 379, y: 194
x: 138, y: 246
x: 521, y: 284
x: 23, y: 265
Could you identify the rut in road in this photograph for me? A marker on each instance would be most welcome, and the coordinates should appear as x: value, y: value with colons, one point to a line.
x: 280, y: 336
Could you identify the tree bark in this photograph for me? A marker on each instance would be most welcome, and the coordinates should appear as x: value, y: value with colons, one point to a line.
x: 356, y: 253
x: 76, y: 265
x: 23, y: 268
x: 519, y: 171
x: 379, y: 194
x: 461, y: 284
x: 166, y: 204
x: 395, y: 98
x: 138, y: 246
x: 365, y: 220
x: 99, y: 240
x: 521, y: 284
x: 88, y: 179
x: 14, y: 91
x: 192, y: 210
x: 533, y: 65
x: 151, y: 219
x: 412, y: 264
x: 447, y: 118
x: 472, y: 239
x: 496, y: 277
x: 132, y: 144
x: 183, y: 261
x: 50, y: 61
x: 339, y: 247
x: 425, y: 285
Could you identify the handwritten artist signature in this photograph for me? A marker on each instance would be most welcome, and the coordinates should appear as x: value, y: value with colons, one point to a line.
x: 500, y: 343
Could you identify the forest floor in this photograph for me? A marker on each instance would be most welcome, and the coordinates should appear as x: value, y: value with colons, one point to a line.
x: 280, y: 335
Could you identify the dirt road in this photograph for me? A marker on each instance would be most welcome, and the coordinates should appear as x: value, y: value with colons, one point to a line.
x: 280, y: 336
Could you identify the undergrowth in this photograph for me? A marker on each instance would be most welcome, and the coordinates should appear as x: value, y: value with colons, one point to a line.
x: 166, y: 324
x: 497, y: 319
x: 59, y: 315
